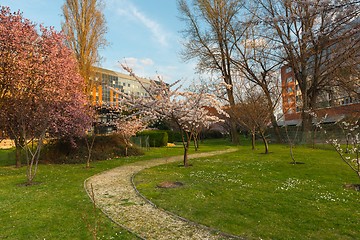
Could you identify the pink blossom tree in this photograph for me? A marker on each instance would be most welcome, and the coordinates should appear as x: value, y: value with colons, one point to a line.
x: 188, y: 110
x: 41, y: 88
x: 128, y: 128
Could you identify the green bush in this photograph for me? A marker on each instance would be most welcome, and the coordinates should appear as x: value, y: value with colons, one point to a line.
x: 157, y: 138
x: 105, y: 147
x: 211, y: 134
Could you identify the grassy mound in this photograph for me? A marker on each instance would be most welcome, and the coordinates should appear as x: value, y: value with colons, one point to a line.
x: 105, y: 147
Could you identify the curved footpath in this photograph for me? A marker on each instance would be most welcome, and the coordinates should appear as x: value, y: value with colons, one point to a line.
x: 118, y: 199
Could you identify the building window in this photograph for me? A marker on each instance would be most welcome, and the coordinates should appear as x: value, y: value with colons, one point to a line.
x: 288, y: 70
x: 289, y: 90
x: 128, y: 84
x: 289, y: 79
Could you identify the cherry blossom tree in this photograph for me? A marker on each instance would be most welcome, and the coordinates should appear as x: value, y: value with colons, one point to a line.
x: 128, y: 128
x: 43, y: 94
x: 187, y: 110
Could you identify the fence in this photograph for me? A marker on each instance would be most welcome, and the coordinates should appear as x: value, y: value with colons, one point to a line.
x: 316, y: 136
x: 141, y: 141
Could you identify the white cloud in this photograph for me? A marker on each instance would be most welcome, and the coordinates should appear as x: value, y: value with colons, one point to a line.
x: 125, y: 8
x: 147, y: 62
x: 143, y: 67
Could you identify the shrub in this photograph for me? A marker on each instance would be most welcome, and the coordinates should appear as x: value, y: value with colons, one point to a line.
x: 157, y: 138
x: 105, y: 147
x: 211, y: 134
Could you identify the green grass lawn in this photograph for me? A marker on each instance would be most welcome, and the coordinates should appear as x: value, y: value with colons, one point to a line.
x: 55, y: 208
x: 258, y: 196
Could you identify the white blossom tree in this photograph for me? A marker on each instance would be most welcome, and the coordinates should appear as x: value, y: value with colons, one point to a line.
x: 351, y: 156
x: 188, y: 110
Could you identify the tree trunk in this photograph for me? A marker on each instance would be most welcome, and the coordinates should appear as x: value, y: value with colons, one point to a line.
x: 89, y: 148
x: 233, y: 132
x: 253, y: 140
x: 306, y: 127
x: 272, y: 116
x: 233, y: 126
x: 17, y: 152
x: 196, y: 141
x: 266, y: 145
x: 186, y: 144
x: 18, y: 156
x: 186, y: 149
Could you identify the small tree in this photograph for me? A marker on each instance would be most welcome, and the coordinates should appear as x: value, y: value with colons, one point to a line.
x: 351, y: 156
x: 253, y: 113
x: 188, y: 110
x: 128, y: 128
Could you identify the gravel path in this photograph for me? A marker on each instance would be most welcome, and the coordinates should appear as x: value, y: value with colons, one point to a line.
x: 117, y: 198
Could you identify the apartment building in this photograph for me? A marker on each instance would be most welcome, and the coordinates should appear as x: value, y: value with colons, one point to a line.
x: 334, y: 102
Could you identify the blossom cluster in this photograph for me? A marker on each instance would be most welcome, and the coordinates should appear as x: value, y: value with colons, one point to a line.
x: 190, y: 111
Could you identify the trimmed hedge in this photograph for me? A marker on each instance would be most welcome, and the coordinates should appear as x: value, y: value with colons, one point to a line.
x: 157, y: 138
x: 174, y: 136
x: 105, y: 147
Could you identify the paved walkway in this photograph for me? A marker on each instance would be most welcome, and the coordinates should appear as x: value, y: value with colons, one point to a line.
x: 117, y: 198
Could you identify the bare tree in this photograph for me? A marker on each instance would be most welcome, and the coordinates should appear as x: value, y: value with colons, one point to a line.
x: 85, y: 28
x: 320, y: 41
x: 255, y: 60
x: 252, y: 112
x: 208, y: 40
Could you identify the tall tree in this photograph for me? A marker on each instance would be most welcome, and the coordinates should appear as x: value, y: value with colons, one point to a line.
x: 85, y: 28
x: 320, y: 41
x: 255, y: 60
x: 208, y: 40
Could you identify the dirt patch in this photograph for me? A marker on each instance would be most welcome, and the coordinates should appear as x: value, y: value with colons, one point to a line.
x: 28, y: 184
x: 355, y: 187
x: 170, y: 185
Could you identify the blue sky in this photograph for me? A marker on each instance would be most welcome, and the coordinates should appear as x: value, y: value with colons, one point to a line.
x: 144, y: 33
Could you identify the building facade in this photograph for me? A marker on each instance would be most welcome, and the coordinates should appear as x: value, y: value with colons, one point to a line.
x: 106, y: 80
x: 333, y: 102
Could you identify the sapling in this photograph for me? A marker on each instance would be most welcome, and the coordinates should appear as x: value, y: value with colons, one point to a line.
x: 351, y: 156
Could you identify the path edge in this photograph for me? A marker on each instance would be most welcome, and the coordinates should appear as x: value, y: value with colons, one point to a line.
x: 107, y: 215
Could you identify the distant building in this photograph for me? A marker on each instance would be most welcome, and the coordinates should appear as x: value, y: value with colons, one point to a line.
x: 334, y: 102
x: 106, y: 100
x: 106, y: 80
